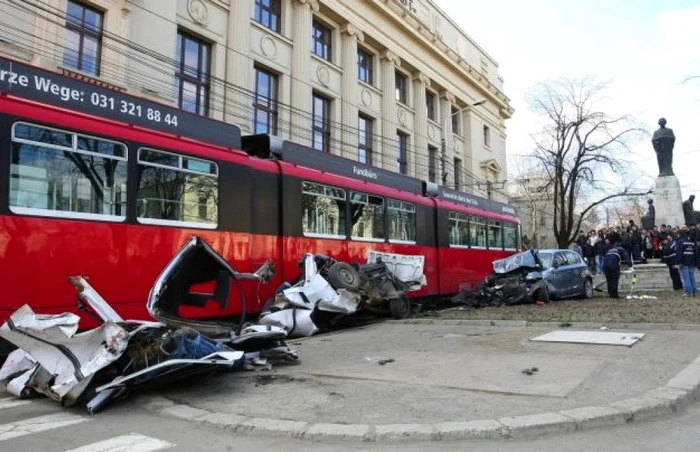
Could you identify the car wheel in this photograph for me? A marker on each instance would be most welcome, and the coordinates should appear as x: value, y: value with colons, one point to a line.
x: 587, y: 289
x: 542, y: 294
x: 400, y: 307
x: 344, y: 276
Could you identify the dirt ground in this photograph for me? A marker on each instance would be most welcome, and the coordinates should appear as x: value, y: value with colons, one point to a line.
x: 669, y: 307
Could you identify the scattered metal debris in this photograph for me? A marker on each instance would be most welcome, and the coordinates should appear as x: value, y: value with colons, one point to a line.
x: 530, y: 372
x: 382, y: 362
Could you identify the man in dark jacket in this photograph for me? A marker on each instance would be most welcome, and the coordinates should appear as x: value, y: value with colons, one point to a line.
x: 685, y: 258
x: 669, y: 258
x: 611, y: 266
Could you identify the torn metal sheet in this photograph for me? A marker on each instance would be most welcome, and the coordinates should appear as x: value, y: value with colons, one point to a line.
x: 591, y: 337
x: 97, y: 304
x: 17, y: 363
x: 407, y: 268
x: 71, y: 358
x: 313, y: 291
x: 222, y: 358
x: 257, y: 332
x: 344, y: 302
x: 296, y: 322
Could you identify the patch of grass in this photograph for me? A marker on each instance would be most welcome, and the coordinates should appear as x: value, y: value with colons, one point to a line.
x: 669, y: 307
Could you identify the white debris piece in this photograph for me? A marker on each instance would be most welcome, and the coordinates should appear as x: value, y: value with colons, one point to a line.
x: 407, y: 268
x: 345, y: 302
x: 17, y: 362
x: 70, y: 359
x: 296, y: 322
x: 308, y: 295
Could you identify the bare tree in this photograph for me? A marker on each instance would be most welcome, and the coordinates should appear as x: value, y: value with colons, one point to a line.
x: 577, y: 146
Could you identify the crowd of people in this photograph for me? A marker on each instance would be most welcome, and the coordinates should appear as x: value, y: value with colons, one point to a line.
x: 678, y: 247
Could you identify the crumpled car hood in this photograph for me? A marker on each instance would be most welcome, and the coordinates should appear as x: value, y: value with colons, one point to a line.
x: 527, y: 260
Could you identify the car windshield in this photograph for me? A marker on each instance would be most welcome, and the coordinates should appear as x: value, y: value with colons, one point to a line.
x: 546, y: 259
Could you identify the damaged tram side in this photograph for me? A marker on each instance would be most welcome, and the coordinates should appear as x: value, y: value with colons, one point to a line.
x: 91, y: 184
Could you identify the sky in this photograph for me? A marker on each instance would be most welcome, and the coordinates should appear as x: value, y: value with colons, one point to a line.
x: 647, y: 49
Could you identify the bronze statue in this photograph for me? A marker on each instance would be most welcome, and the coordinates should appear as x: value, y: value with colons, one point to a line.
x: 691, y: 215
x: 649, y: 219
x: 663, y: 141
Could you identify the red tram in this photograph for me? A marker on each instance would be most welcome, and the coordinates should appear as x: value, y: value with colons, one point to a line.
x: 98, y: 183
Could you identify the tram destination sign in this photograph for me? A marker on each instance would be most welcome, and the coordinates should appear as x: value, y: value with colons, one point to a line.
x: 29, y: 82
x: 475, y: 201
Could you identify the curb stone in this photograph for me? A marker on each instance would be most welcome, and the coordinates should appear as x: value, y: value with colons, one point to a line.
x: 680, y: 391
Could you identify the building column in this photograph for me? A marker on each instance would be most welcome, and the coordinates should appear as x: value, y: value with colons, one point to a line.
x: 420, y: 125
x: 239, y: 103
x: 301, y: 70
x: 349, y: 112
x: 390, y: 62
x: 447, y: 166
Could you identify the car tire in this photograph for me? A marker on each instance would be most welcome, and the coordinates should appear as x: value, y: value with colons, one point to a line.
x: 400, y: 307
x: 344, y: 276
x: 587, y: 289
x: 542, y: 294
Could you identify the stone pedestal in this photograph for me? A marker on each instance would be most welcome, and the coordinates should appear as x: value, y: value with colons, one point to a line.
x: 668, y: 201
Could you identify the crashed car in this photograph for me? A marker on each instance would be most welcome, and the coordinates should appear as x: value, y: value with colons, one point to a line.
x: 532, y: 276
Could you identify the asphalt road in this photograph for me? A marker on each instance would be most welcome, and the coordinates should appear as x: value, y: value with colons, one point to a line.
x: 44, y: 425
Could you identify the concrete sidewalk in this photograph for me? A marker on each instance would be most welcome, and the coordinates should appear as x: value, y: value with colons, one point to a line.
x: 448, y: 381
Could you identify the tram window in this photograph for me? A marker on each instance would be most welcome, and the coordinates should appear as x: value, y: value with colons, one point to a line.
x: 402, y: 220
x: 495, y: 235
x: 510, y: 236
x: 477, y: 232
x: 176, y: 189
x: 459, y: 229
x: 323, y: 210
x: 367, y: 215
x: 63, y: 174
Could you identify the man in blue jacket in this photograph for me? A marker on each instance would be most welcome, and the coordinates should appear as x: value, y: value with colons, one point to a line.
x: 612, y: 262
x: 685, y: 258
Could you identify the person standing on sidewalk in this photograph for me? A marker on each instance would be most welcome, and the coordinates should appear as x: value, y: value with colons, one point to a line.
x: 685, y: 258
x: 669, y: 258
x: 611, y: 266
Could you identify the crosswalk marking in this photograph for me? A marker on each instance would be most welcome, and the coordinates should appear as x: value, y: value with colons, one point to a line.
x: 39, y: 424
x: 9, y: 402
x: 132, y: 442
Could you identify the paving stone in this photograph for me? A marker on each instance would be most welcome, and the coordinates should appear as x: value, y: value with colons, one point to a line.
x: 224, y: 420
x: 392, y: 432
x: 537, y: 424
x: 156, y: 403
x: 644, y: 407
x: 338, y: 431
x: 484, y: 429
x: 184, y: 412
x: 597, y: 416
x: 278, y: 426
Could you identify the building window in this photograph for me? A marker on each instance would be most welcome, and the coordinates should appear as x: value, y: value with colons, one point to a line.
x: 193, y: 57
x: 321, y: 41
x: 401, y: 150
x: 367, y: 216
x: 64, y: 174
x: 267, y: 13
x: 321, y: 123
x: 323, y: 210
x: 364, y: 152
x: 365, y: 62
x: 432, y: 164
x: 401, y: 87
x: 430, y: 105
x: 83, y: 44
x: 173, y: 188
x: 458, y: 173
x: 487, y: 136
x: 456, y: 116
x: 402, y: 220
x: 265, y: 106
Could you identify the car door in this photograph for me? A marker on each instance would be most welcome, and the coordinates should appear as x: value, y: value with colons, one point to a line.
x: 557, y: 275
x: 574, y: 273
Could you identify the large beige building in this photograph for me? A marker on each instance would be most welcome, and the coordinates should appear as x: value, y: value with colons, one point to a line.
x: 392, y: 83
